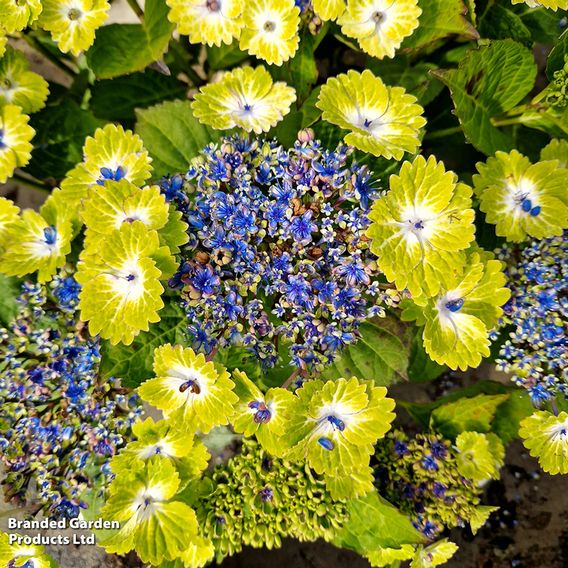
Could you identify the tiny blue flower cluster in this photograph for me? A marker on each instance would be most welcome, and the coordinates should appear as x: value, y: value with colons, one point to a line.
x: 277, y: 249
x: 59, y: 424
x: 536, y: 350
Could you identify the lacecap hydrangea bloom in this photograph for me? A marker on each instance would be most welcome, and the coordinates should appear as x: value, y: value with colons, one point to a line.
x: 523, y: 199
x: 192, y: 392
x: 422, y: 476
x: 246, y: 98
x: 18, y: 85
x: 60, y: 424
x: 212, y: 22
x: 545, y: 435
x: 380, y: 26
x: 73, y: 23
x: 422, y: 226
x: 534, y: 319
x: 15, y: 137
x: 458, y: 320
x: 257, y: 500
x: 277, y: 249
x: 271, y: 30
x: 384, y: 121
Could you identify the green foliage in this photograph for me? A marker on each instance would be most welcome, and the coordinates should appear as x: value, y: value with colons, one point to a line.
x: 10, y: 289
x: 490, y: 81
x: 125, y: 48
x: 172, y: 135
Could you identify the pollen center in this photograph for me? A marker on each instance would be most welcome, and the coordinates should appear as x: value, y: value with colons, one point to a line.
x: 74, y: 14
x: 269, y: 26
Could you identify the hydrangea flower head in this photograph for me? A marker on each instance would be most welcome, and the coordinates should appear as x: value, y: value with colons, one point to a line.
x: 329, y: 9
x: 271, y: 30
x: 20, y: 86
x: 152, y: 522
x: 421, y: 226
x: 73, y: 23
x: 336, y: 423
x: 16, y: 15
x: 112, y: 153
x: 36, y: 244
x: 458, y: 320
x: 546, y: 437
x: 24, y: 555
x: 213, y: 22
x: 121, y: 288
x: 380, y: 26
x: 15, y: 136
x: 9, y: 216
x: 523, y: 199
x: 245, y: 98
x: 384, y: 121
x: 192, y: 392
x: 264, y: 415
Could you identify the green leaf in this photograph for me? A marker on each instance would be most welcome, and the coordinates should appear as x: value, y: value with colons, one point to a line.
x: 124, y: 48
x: 219, y: 438
x: 543, y: 24
x: 379, y: 355
x: 240, y: 358
x: 61, y: 128
x: 556, y: 59
x: 499, y: 22
x: 286, y: 131
x: 11, y: 289
x: 490, y: 81
x: 421, y: 368
x: 416, y: 79
x: 310, y: 112
x: 172, y: 135
x: 510, y: 413
x: 303, y: 69
x: 440, y: 19
x: 375, y: 523
x: 116, y: 99
x: 133, y: 363
x: 467, y: 414
x: 225, y: 56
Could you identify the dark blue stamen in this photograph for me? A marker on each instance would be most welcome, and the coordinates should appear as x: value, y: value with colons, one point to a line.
x: 192, y: 385
x: 455, y: 305
x: 326, y: 444
x: 419, y: 225
x: 367, y: 123
x: 266, y: 494
x: 50, y: 235
x: 130, y: 277
x: 526, y: 205
x: 247, y: 107
x: 157, y: 451
x: 535, y: 210
x: 2, y: 145
x: 563, y: 431
x: 262, y: 415
x: 336, y: 423
x: 108, y: 174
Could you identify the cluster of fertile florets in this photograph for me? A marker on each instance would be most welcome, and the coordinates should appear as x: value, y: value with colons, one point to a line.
x: 277, y: 250
x: 536, y: 349
x: 258, y: 500
x: 557, y: 92
x: 59, y: 425
x: 421, y: 476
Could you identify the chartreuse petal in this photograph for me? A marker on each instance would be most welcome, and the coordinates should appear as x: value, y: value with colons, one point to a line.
x: 158, y: 527
x: 546, y: 437
x: 434, y: 555
x: 16, y: 15
x: 552, y: 4
x: 121, y: 291
x: 386, y: 556
x: 556, y: 149
x: 15, y: 136
x: 380, y: 26
x: 33, y: 244
x: 3, y: 42
x: 335, y: 424
x: 264, y: 415
x: 245, y: 98
x: 475, y: 460
x: 459, y: 318
x: 421, y: 226
x: 111, y: 153
x: 351, y: 484
x: 384, y: 121
x: 523, y: 199
x: 20, y: 86
x: 271, y: 30
x: 479, y: 517
x: 329, y: 9
x: 9, y: 216
x: 192, y: 392
x: 200, y: 552
x: 213, y: 23
x: 22, y: 554
x: 72, y: 23
x: 174, y: 233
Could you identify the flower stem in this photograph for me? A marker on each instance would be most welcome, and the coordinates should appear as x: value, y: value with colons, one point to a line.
x: 443, y: 133
x: 136, y: 9
x: 37, y: 45
x: 30, y: 182
x: 290, y: 379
